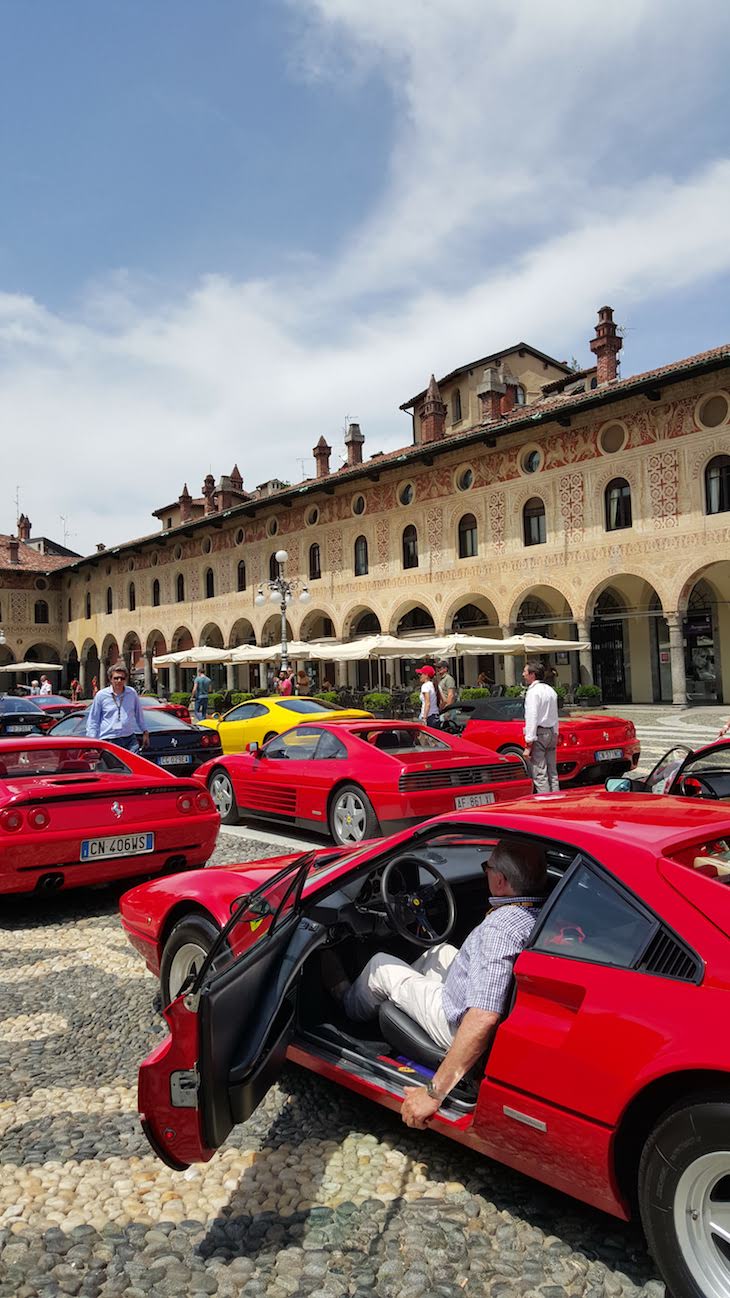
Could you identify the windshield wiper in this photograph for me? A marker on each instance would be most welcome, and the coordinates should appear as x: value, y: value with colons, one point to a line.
x: 298, y: 869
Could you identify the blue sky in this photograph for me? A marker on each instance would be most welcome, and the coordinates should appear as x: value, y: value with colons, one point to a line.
x: 228, y: 224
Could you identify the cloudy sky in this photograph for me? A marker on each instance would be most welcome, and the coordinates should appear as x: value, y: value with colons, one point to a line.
x: 228, y: 225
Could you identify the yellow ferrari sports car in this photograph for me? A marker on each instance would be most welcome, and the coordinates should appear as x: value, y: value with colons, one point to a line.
x: 259, y: 719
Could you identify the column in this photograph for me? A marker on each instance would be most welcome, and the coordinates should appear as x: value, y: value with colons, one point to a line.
x: 173, y: 678
x: 510, y: 673
x: 103, y: 677
x: 584, y: 655
x: 84, y: 680
x: 676, y: 658
x: 230, y: 677
x: 148, y: 669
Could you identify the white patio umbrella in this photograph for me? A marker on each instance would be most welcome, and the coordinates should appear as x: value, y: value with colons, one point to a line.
x: 540, y: 644
x: 193, y: 657
x: 31, y: 667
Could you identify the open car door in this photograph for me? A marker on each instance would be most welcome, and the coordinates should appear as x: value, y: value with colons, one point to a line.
x: 230, y: 1030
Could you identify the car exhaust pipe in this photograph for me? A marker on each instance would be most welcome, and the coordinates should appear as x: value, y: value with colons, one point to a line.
x: 49, y: 883
x: 174, y: 865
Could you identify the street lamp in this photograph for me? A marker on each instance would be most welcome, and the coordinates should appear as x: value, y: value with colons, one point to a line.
x: 281, y: 592
x: 2, y: 636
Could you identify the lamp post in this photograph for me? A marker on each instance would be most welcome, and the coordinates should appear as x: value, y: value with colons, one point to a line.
x: 281, y: 592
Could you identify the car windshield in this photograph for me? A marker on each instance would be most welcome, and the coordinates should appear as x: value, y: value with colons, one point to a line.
x: 74, y: 724
x: 157, y: 719
x: 18, y: 705
x: 305, y: 705
x: 40, y: 760
x: 55, y: 699
x: 488, y: 710
x: 402, y: 739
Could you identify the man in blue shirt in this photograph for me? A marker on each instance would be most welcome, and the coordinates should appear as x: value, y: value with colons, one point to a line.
x: 116, y: 713
x: 201, y: 690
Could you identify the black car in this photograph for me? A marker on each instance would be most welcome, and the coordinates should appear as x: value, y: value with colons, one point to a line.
x: 20, y: 717
x: 176, y: 746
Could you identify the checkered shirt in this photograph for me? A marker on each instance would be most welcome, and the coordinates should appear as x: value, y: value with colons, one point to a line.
x: 481, y: 974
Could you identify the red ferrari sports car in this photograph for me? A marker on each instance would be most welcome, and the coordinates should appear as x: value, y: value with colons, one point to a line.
x: 79, y: 811
x: 590, y: 748
x: 608, y: 1078
x: 690, y: 773
x: 360, y: 778
x: 55, y: 707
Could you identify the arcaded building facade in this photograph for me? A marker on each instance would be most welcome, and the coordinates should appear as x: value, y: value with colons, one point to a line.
x: 533, y: 496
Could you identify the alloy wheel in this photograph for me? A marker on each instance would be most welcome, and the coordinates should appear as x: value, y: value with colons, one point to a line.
x: 350, y: 818
x: 222, y: 793
x: 702, y: 1221
x: 186, y: 960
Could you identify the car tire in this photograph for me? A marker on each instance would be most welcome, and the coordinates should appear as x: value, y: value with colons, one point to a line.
x: 685, y: 1162
x: 220, y: 788
x: 351, y: 816
x: 187, y: 945
x: 511, y: 750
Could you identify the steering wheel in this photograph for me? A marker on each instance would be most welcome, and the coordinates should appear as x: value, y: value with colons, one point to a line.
x: 702, y: 789
x: 411, y: 910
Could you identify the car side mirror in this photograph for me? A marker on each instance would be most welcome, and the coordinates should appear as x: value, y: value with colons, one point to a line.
x: 618, y: 784
x: 254, y: 750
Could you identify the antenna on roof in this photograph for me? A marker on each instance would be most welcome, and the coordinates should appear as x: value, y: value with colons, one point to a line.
x: 17, y: 500
x: 66, y: 532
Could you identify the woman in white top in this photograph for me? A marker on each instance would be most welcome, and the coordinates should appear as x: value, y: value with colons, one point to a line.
x: 429, y: 715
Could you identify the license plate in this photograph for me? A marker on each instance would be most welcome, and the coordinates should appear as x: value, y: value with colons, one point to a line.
x: 608, y: 754
x: 94, y: 849
x: 18, y: 730
x: 182, y: 759
x: 473, y: 800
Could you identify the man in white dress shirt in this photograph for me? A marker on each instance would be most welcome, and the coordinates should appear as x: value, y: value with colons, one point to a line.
x: 541, y: 729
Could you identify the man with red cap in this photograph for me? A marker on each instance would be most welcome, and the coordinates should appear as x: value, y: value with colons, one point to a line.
x: 429, y: 700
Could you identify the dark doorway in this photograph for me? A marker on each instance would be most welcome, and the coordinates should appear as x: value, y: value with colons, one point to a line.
x: 607, y: 645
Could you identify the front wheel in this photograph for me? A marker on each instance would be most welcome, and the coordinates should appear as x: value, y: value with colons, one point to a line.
x: 351, y: 815
x: 511, y: 750
x: 184, y: 952
x: 220, y: 787
x: 684, y: 1198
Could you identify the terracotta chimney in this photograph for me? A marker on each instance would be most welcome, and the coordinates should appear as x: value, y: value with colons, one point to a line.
x: 14, y: 546
x: 100, y: 547
x: 433, y: 414
x: 509, y: 400
x: 209, y: 493
x: 606, y: 346
x: 236, y: 479
x: 490, y: 393
x: 23, y: 528
x: 321, y: 453
x: 353, y: 441
x: 185, y: 501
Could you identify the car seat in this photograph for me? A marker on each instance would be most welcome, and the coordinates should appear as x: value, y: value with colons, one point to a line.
x: 388, y: 740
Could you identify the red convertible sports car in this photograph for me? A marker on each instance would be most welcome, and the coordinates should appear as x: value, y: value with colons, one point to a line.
x: 590, y: 748
x: 609, y: 1076
x: 360, y: 778
x: 699, y: 773
x: 80, y: 811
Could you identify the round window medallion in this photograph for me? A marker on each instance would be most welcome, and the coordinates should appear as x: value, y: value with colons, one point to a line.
x: 239, y: 536
x: 612, y: 438
x: 465, y: 478
x: 312, y: 517
x: 713, y: 411
x: 178, y: 552
x: 406, y: 493
x: 358, y: 505
x: 41, y: 583
x: 207, y: 545
x: 531, y: 460
x: 272, y: 527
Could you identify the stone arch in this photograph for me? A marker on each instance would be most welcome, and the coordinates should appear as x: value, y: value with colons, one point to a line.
x: 271, y: 631
x: 475, y: 605
x: 317, y: 624
x: 70, y: 658
x: 132, y: 653
x: 110, y: 650
x: 43, y: 652
x: 412, y: 617
x: 556, y: 603
x: 634, y: 588
x: 355, y: 616
x: 155, y: 644
x: 181, y: 639
x: 90, y: 667
x: 211, y: 636
x: 7, y: 679
x: 703, y: 605
x: 242, y: 632
x: 630, y: 642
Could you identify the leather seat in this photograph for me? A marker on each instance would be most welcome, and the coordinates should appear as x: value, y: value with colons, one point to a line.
x: 407, y: 1038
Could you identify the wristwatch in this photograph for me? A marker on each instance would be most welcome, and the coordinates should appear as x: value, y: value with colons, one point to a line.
x: 432, y: 1091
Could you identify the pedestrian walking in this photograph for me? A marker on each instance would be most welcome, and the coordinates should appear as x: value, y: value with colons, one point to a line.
x: 46, y: 687
x: 116, y: 714
x: 429, y: 714
x: 75, y: 690
x: 448, y: 693
x: 303, y: 682
x: 200, y: 694
x: 541, y: 729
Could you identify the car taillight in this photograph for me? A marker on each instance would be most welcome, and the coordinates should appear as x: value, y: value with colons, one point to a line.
x: 186, y: 803
x: 630, y: 730
x: 203, y: 802
x: 38, y: 818
x: 11, y: 820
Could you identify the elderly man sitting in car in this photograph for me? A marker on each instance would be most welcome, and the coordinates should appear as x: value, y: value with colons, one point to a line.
x: 457, y: 996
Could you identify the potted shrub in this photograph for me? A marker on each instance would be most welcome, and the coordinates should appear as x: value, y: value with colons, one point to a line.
x: 239, y: 696
x: 475, y: 692
x: 326, y: 696
x: 377, y: 703
x: 589, y: 696
x: 514, y: 691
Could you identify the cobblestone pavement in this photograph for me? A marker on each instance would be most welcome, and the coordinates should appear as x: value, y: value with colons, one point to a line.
x: 317, y: 1194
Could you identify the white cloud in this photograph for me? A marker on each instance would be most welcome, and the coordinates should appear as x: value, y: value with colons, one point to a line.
x: 511, y: 210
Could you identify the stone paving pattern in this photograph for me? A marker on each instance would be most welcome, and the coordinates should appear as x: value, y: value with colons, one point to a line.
x: 319, y: 1193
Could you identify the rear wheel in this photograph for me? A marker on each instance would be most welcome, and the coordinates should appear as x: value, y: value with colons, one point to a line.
x: 220, y: 787
x: 185, y: 950
x: 684, y: 1197
x: 351, y: 815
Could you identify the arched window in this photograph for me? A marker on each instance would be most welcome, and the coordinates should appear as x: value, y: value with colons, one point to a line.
x: 88, y: 605
x: 533, y: 522
x: 70, y: 606
x: 717, y: 485
x: 155, y: 593
x: 361, y: 556
x: 241, y: 575
x: 273, y: 568
x: 209, y: 583
x: 468, y: 540
x: 180, y: 588
x: 410, y: 547
x: 618, y: 505
x: 132, y: 601
x: 40, y: 612
x: 315, y: 566
x: 109, y: 600
x: 456, y: 406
